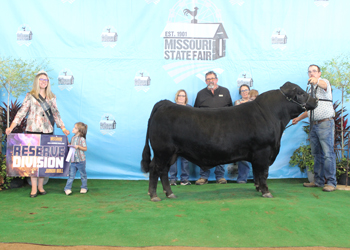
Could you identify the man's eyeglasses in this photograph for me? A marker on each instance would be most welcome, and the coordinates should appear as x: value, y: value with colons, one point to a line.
x: 312, y: 71
x: 44, y: 80
x: 181, y: 96
x: 209, y: 79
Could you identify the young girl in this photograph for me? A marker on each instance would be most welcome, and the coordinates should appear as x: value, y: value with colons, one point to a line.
x: 79, y: 162
x: 253, y: 94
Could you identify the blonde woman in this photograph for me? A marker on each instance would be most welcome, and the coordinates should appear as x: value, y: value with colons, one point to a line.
x: 181, y: 99
x: 40, y: 106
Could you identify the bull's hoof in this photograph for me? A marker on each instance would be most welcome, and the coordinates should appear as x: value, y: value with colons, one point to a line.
x: 267, y: 195
x: 258, y: 189
x: 164, y: 191
x: 155, y: 199
x: 172, y: 196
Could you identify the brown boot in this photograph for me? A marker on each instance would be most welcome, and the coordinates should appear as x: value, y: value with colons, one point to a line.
x: 201, y: 181
x: 311, y: 184
x: 221, y: 181
x: 328, y: 188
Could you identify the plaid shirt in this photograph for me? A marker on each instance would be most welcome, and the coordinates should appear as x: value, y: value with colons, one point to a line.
x: 37, y: 120
x: 79, y: 155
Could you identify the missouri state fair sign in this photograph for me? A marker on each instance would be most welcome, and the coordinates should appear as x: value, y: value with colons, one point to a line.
x: 194, y: 41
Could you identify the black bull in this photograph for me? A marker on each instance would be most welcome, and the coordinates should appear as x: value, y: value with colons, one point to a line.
x: 209, y: 137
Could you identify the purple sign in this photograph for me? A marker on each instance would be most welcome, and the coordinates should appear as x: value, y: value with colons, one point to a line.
x: 36, y: 155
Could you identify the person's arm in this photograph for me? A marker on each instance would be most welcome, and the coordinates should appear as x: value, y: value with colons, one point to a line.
x: 20, y: 114
x: 299, y: 118
x: 230, y: 100
x: 57, y: 117
x: 321, y: 83
x: 196, y: 103
x: 83, y: 146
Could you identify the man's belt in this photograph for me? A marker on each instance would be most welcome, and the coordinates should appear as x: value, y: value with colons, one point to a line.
x: 323, y: 120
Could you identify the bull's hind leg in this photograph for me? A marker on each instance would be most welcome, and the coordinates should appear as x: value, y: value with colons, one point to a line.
x: 166, y: 185
x: 153, y: 181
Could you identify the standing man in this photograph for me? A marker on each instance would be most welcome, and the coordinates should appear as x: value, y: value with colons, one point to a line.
x: 213, y: 96
x: 322, y: 132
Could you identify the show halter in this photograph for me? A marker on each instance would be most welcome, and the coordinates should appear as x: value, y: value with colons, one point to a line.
x: 303, y: 105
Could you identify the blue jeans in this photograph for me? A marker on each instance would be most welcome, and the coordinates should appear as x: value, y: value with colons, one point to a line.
x: 243, y: 171
x: 74, y: 166
x: 185, y: 171
x: 219, y: 172
x: 322, y: 148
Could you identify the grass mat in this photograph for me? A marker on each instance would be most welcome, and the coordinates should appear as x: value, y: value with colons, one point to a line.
x: 120, y: 213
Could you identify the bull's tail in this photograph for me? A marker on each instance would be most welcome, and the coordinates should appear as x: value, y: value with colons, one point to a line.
x: 146, y: 154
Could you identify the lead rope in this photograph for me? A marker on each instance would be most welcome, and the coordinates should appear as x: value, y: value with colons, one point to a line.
x: 312, y: 111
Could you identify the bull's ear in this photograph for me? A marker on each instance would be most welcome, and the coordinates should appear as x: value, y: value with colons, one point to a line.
x: 290, y: 91
x: 293, y: 92
x: 286, y: 85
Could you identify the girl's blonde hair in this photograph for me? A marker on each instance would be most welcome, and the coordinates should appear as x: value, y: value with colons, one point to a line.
x: 177, y: 95
x: 82, y: 129
x: 36, y: 87
x: 254, y: 93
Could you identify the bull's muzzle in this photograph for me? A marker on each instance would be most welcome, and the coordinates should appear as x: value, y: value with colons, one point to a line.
x: 311, y: 103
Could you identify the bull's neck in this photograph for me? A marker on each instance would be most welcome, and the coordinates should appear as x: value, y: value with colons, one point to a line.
x: 278, y: 106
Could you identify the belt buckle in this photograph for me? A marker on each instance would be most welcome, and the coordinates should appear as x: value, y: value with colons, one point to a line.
x: 323, y: 120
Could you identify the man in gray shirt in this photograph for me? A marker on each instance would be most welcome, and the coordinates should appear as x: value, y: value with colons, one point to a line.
x: 213, y: 96
x: 322, y: 132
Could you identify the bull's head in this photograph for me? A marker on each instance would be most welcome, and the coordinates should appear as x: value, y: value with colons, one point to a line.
x: 295, y: 94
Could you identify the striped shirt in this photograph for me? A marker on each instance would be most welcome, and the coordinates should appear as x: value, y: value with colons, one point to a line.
x: 79, y: 155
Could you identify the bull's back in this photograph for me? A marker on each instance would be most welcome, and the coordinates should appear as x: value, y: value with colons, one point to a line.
x: 207, y: 130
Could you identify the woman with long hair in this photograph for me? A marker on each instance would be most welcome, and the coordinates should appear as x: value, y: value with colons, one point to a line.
x: 40, y: 106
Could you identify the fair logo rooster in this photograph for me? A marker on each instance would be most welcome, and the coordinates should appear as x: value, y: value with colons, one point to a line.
x: 192, y: 13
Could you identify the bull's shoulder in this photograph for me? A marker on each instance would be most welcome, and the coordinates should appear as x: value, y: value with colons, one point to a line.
x: 163, y: 102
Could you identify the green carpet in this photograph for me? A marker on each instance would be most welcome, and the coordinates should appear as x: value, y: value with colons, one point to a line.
x: 120, y: 213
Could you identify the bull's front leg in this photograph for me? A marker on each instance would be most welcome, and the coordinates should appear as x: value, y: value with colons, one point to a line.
x: 166, y: 185
x: 263, y: 185
x: 153, y: 181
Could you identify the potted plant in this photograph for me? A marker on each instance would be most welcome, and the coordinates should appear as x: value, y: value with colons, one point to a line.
x: 4, y: 180
x: 341, y: 137
x: 342, y: 165
x: 12, y: 109
x: 337, y: 71
x: 303, y: 158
